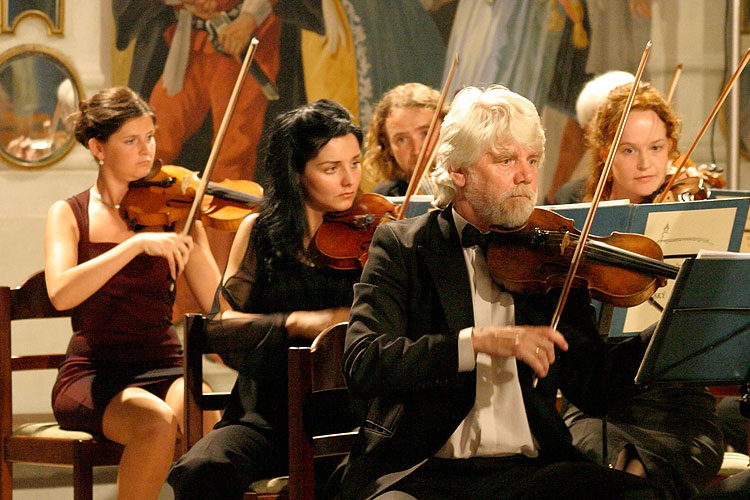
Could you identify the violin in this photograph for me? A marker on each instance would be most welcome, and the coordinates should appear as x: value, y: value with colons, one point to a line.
x: 166, y: 194
x: 622, y: 269
x: 693, y: 187
x: 343, y: 240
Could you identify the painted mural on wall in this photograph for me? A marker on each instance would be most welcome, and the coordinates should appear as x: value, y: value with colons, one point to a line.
x: 187, y: 55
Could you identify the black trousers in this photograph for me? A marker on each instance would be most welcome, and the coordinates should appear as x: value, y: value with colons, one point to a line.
x: 519, y: 478
x: 736, y: 487
x: 225, y: 462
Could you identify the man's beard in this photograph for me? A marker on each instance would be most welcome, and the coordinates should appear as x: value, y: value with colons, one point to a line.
x: 505, y: 210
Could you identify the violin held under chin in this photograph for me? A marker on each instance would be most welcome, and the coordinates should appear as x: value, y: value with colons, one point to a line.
x: 343, y: 240
x: 622, y: 269
x: 694, y: 184
x: 166, y: 194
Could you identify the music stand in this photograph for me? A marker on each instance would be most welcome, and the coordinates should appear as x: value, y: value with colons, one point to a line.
x: 703, y: 336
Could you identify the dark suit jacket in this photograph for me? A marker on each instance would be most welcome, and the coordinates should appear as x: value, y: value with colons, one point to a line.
x: 402, y: 356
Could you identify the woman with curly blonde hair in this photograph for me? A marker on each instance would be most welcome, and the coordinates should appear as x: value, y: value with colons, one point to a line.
x: 395, y: 136
x: 647, y: 147
x: 643, y: 436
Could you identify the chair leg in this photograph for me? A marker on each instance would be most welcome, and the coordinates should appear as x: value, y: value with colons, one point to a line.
x: 6, y: 480
x: 83, y: 472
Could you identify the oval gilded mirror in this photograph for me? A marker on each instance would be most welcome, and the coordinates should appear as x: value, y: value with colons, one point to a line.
x: 38, y: 90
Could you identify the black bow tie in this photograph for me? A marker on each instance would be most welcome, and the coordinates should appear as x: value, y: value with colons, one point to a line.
x: 471, y: 236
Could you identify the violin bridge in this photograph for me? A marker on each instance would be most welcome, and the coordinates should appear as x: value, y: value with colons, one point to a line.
x: 564, y: 243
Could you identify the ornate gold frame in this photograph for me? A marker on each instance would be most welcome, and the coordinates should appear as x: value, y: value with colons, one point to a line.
x: 52, y: 28
x: 66, y: 64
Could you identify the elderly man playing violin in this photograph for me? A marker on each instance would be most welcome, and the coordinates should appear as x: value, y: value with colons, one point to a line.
x: 447, y: 361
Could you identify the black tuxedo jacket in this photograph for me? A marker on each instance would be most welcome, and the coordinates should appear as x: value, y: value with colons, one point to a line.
x: 402, y: 357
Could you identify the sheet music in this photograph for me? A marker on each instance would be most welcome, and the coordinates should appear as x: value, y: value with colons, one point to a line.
x: 713, y: 254
x: 418, y: 203
x: 681, y: 233
x: 587, y: 205
x: 688, y: 231
x: 719, y: 194
x: 422, y: 198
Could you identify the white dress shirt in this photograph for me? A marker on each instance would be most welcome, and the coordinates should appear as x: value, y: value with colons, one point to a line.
x: 497, y: 424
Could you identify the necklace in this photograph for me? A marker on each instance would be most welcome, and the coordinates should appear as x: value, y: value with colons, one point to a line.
x: 100, y: 200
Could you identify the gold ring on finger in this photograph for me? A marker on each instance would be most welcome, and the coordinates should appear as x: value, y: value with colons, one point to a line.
x: 538, y: 350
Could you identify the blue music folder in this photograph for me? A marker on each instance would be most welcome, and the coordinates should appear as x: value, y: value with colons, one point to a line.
x: 703, y: 336
x: 681, y: 230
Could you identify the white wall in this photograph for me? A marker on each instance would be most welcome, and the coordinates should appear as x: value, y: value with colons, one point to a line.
x: 26, y: 194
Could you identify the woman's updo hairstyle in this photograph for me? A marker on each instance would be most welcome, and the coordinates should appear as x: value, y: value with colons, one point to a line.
x: 105, y: 112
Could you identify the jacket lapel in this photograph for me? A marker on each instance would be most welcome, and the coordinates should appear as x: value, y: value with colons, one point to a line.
x: 443, y: 256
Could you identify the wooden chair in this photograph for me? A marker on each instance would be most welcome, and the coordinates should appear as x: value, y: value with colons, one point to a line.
x: 196, y: 401
x: 40, y: 443
x: 316, y: 383
x: 314, y: 377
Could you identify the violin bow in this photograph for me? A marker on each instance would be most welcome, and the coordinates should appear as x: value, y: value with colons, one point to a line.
x: 220, y: 137
x: 673, y: 84
x: 717, y: 106
x: 421, y: 167
x: 430, y: 161
x: 578, y: 252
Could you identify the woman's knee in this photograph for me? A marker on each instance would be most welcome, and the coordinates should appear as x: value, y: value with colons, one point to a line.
x: 139, y: 417
x: 160, y: 421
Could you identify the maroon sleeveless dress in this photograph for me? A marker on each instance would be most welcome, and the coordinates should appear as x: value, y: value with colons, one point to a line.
x: 123, y: 336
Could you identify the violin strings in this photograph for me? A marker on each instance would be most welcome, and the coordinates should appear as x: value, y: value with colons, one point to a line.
x: 640, y: 263
x: 608, y: 254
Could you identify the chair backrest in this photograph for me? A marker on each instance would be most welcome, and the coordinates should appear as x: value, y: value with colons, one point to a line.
x: 316, y: 385
x: 28, y: 301
x: 316, y: 382
x: 196, y: 401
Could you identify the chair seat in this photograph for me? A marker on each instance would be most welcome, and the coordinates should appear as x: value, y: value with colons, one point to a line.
x: 273, y: 485
x: 46, y: 443
x: 50, y: 430
x: 733, y: 463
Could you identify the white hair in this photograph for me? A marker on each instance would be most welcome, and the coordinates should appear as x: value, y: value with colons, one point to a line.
x: 478, y: 122
x: 595, y: 92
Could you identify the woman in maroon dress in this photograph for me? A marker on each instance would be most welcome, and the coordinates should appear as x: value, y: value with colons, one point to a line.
x: 121, y: 376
